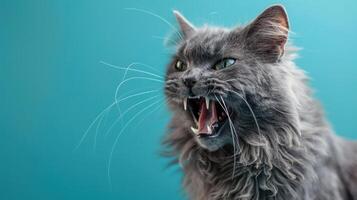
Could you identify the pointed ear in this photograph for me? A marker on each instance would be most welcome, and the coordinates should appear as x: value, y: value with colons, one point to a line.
x: 268, y: 33
x: 186, y: 27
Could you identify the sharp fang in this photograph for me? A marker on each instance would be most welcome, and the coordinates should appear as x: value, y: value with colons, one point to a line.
x: 185, y: 103
x: 209, y: 129
x: 194, y: 130
x: 207, y: 103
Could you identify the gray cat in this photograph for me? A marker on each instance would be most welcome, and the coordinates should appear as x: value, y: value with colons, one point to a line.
x: 245, y: 124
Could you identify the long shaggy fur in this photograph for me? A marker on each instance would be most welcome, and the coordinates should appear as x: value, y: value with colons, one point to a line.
x: 290, y: 154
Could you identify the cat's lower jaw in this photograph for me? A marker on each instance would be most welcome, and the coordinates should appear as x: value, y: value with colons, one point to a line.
x: 212, y: 119
x: 217, y: 140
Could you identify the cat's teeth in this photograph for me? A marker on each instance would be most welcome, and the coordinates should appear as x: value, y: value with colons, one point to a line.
x: 194, y: 130
x: 185, y: 103
x: 209, y: 129
x: 207, y: 103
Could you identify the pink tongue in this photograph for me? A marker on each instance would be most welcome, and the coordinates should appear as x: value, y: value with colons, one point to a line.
x: 207, y: 117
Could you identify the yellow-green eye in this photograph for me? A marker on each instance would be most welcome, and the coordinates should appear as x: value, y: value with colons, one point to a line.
x: 180, y: 66
x: 226, y: 62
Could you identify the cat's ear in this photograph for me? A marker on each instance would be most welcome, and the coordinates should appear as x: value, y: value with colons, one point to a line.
x: 186, y: 27
x: 268, y: 33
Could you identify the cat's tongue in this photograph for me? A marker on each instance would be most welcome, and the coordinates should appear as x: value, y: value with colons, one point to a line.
x: 207, y: 118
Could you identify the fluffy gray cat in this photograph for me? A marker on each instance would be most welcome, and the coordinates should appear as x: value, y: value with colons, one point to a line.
x: 245, y: 124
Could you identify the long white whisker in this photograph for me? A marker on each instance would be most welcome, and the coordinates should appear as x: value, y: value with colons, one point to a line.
x: 130, y: 79
x: 225, y: 107
x: 97, y: 130
x: 148, y: 66
x: 103, y: 112
x: 119, y: 134
x: 90, y: 126
x: 149, y: 113
x: 134, y: 78
x: 229, y: 118
x: 137, y: 94
x: 134, y: 64
x: 250, y: 109
x: 124, y: 79
x: 166, y: 40
x: 127, y: 80
x: 120, y: 100
x: 130, y: 69
x: 159, y: 17
x: 126, y: 111
x: 233, y: 132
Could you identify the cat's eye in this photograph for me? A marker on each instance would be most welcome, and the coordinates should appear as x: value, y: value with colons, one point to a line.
x: 180, y: 66
x: 226, y: 62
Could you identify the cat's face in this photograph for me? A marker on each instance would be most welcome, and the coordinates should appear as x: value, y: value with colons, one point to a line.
x: 215, y: 70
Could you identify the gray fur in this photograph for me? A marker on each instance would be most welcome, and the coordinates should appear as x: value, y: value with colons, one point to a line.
x: 289, y: 153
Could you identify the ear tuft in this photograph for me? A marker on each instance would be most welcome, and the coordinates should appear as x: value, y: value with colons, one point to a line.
x: 186, y: 27
x: 268, y: 33
x: 277, y: 14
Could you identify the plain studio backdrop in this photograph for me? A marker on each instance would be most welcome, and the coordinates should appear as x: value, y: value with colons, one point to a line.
x: 53, y: 85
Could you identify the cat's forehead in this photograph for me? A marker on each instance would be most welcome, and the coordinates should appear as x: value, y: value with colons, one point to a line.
x: 206, y: 43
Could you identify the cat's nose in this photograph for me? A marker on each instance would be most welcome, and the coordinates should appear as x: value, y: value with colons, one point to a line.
x: 189, y: 81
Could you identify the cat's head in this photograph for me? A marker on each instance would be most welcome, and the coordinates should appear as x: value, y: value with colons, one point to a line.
x: 221, y: 80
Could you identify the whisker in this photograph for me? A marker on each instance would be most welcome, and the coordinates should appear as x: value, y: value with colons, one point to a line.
x: 159, y: 17
x: 137, y: 94
x: 90, y: 126
x: 226, y: 111
x: 233, y: 133
x: 120, y: 133
x: 130, y: 69
x: 130, y: 79
x: 120, y: 100
x: 127, y: 80
x: 96, y: 131
x: 126, y: 111
x: 140, y: 64
x: 250, y: 109
x: 103, y: 112
x: 229, y: 117
x: 166, y: 40
x: 151, y: 112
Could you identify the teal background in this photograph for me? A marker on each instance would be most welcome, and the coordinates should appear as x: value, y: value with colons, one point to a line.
x: 53, y: 86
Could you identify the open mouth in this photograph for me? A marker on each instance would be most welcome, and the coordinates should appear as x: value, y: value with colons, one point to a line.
x: 209, y: 116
